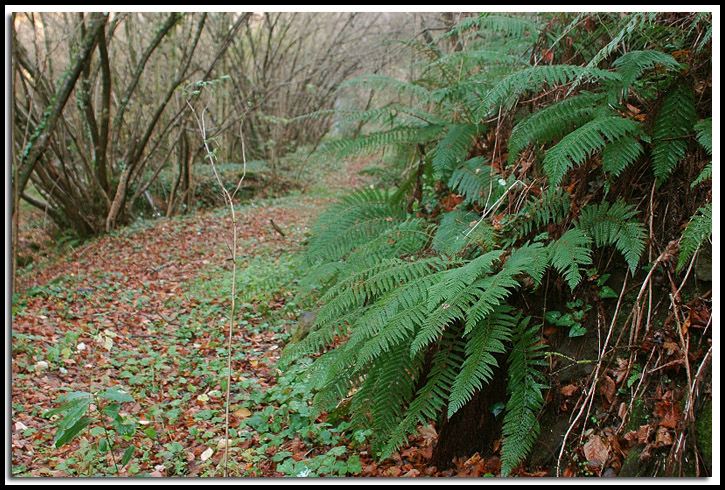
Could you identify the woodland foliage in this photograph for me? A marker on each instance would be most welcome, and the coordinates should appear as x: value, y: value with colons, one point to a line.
x: 527, y: 146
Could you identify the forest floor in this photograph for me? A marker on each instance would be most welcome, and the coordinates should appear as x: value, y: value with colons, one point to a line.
x: 144, y: 311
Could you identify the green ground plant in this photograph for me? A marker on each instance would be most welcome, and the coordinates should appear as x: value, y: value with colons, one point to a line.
x: 423, y: 287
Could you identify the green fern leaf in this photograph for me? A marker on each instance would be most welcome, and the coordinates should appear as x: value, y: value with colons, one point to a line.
x: 433, y: 395
x: 553, y: 121
x: 507, y: 91
x: 670, y: 129
x: 704, y: 134
x: 615, y: 225
x: 477, y: 182
x: 483, y: 341
x: 452, y: 149
x: 698, y: 230
x: 633, y: 64
x: 581, y: 143
x: 620, y: 154
x: 569, y: 252
x: 525, y: 385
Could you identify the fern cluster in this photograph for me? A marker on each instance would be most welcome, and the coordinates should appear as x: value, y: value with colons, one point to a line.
x: 418, y: 285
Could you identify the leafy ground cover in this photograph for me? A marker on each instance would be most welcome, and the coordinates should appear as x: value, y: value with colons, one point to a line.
x: 134, y: 323
x: 127, y: 334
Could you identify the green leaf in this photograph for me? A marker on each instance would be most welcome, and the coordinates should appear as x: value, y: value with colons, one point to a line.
x: 127, y: 455
x: 115, y: 395
x: 63, y: 436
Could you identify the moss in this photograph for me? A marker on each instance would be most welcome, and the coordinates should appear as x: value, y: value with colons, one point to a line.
x: 703, y: 430
x: 638, y: 415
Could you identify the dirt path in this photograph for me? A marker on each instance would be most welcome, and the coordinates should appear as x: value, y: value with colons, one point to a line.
x: 83, y: 320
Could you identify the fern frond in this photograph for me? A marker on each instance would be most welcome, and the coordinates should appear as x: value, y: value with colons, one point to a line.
x: 569, y: 252
x: 433, y: 395
x: 368, y: 143
x: 508, y: 25
x: 507, y: 91
x: 450, y: 237
x: 492, y: 290
x: 620, y: 154
x: 553, y: 121
x: 704, y: 134
x: 616, y: 225
x: 633, y: 64
x: 405, y: 238
x: 395, y: 318
x: 525, y: 386
x: 452, y: 149
x: 551, y: 207
x: 354, y: 220
x: 477, y: 182
x: 450, y: 298
x: 630, y: 24
x: 694, y: 235
x: 381, y: 82
x: 581, y: 143
x: 340, y: 378
x: 670, y: 130
x: 706, y: 174
x: 371, y: 283
x: 482, y: 342
x: 382, y: 398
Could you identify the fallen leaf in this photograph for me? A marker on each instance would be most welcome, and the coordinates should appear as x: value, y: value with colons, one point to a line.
x: 595, y: 451
x: 607, y: 388
x: 664, y: 438
x: 569, y: 390
x: 207, y: 454
x: 242, y: 412
x: 428, y: 433
x: 412, y: 473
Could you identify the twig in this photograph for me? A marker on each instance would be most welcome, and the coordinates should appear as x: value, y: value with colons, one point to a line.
x: 229, y: 198
x: 276, y: 228
x: 592, y: 389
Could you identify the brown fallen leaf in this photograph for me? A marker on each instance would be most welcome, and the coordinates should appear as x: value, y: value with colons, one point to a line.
x: 607, y: 388
x: 569, y: 390
x: 664, y: 438
x: 595, y: 451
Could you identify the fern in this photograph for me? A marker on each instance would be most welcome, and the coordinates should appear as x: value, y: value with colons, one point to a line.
x: 694, y: 235
x: 615, y: 225
x: 371, y: 142
x: 433, y: 395
x: 516, y: 27
x: 451, y: 150
x: 352, y: 221
x: 670, y: 130
x: 507, y: 91
x: 620, y: 154
x: 553, y: 121
x: 450, y: 299
x: 629, y: 25
x: 569, y: 252
x: 582, y: 143
x: 482, y: 342
x: 525, y: 386
x: 633, y: 64
x: 450, y: 237
x: 552, y: 206
x: 385, y: 395
x: 381, y: 82
x: 704, y: 134
x: 477, y: 182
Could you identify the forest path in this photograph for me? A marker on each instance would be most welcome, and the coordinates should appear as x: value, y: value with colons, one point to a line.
x: 145, y: 309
